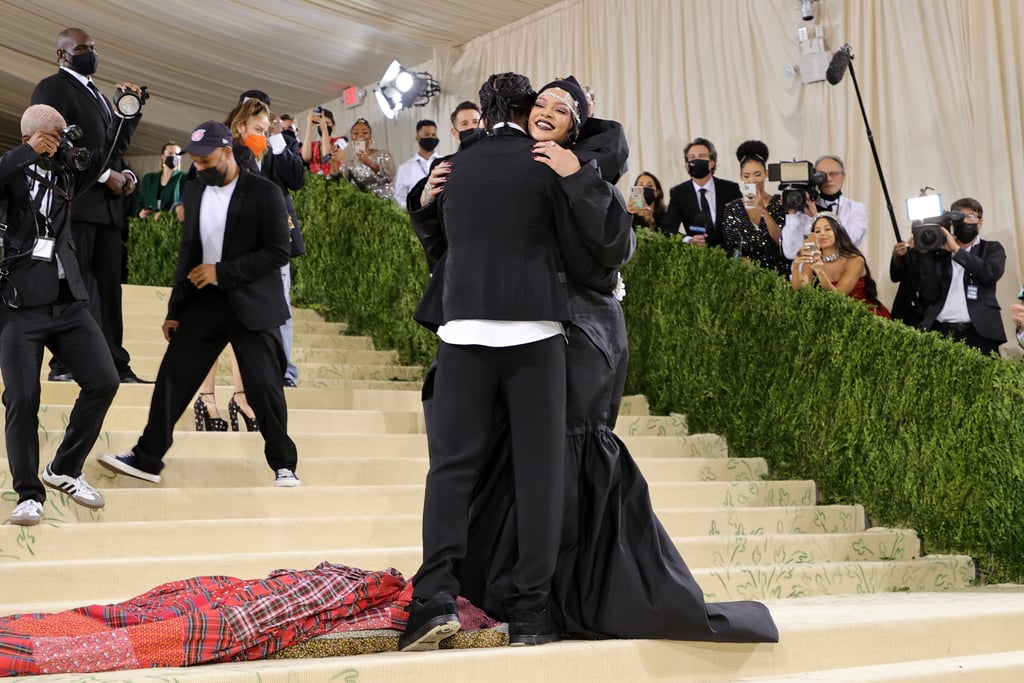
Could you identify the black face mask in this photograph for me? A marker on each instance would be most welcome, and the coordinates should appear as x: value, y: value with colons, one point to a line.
x: 649, y: 194
x: 965, y: 232
x: 429, y: 144
x: 212, y: 176
x: 698, y: 168
x: 171, y: 161
x: 85, y: 64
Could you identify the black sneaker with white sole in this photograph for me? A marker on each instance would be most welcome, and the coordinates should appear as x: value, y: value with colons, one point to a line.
x: 127, y: 464
x: 430, y: 622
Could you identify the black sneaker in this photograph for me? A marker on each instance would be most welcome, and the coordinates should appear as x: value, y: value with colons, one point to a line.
x: 532, y: 627
x: 127, y: 463
x: 430, y: 622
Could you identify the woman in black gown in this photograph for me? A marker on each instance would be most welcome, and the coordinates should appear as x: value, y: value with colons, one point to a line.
x: 619, y: 574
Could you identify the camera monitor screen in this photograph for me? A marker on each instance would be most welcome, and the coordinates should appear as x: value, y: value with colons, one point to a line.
x: 924, y: 207
x: 794, y: 171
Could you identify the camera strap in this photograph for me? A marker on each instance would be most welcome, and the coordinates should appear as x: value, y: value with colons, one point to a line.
x: 48, y: 184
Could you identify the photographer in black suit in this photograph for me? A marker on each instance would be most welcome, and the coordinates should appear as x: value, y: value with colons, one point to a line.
x: 227, y: 288
x: 957, y: 284
x: 45, y: 305
x: 699, y: 202
x: 97, y: 212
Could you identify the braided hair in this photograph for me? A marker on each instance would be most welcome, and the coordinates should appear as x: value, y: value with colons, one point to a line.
x: 504, y: 96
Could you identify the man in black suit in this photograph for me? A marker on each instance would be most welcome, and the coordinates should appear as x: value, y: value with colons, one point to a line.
x: 97, y: 213
x: 284, y: 167
x: 45, y: 305
x: 957, y: 284
x: 699, y: 203
x: 504, y: 302
x: 227, y: 288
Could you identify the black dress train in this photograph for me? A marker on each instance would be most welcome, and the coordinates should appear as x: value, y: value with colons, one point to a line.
x: 619, y: 575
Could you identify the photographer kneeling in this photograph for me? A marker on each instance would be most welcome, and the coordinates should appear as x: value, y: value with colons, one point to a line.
x: 44, y: 304
x: 957, y: 279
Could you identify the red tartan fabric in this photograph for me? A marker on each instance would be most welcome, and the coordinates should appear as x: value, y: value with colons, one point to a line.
x: 201, y: 620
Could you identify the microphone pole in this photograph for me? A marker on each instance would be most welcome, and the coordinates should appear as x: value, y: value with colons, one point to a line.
x: 871, y: 141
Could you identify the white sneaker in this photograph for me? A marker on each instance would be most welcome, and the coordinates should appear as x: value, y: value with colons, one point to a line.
x: 285, y: 477
x: 27, y: 513
x: 78, y: 488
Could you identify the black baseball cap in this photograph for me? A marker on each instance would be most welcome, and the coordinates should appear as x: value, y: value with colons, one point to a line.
x: 208, y: 137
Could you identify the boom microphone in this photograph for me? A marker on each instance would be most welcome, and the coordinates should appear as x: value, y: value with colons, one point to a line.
x: 837, y: 67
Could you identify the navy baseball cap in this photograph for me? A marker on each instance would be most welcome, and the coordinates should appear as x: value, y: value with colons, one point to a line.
x: 208, y: 137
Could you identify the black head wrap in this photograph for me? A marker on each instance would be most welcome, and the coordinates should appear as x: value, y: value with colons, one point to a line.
x: 503, y: 93
x: 580, y: 111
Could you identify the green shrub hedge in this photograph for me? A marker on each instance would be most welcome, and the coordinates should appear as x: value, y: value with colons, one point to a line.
x: 923, y: 432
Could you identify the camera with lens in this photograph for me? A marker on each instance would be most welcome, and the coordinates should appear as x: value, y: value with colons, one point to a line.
x: 927, y: 232
x: 69, y: 156
x: 797, y: 180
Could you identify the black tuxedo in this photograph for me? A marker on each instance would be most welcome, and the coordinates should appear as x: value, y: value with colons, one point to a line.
x: 983, y: 266
x: 42, y: 309
x: 97, y: 214
x: 684, y: 205
x: 246, y: 307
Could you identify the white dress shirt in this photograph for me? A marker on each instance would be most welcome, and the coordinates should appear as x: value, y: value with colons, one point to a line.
x: 955, y: 309
x: 410, y: 173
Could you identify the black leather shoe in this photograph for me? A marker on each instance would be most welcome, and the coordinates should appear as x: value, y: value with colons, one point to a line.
x: 532, y: 627
x: 127, y: 376
x: 58, y: 376
x: 430, y: 622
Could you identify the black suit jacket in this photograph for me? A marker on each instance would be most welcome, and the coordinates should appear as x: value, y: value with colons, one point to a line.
x: 983, y: 266
x: 288, y: 172
x: 683, y: 207
x: 95, y: 202
x: 255, y: 248
x: 35, y: 280
x: 500, y: 211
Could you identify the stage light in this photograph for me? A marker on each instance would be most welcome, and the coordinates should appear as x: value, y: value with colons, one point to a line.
x: 399, y: 88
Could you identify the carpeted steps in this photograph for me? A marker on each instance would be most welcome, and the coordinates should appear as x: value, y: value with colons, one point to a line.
x: 852, y: 603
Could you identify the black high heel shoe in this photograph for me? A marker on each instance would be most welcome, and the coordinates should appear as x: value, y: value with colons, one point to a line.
x: 204, y: 422
x: 234, y: 411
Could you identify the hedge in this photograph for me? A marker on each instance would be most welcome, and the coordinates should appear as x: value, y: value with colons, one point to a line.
x: 923, y: 432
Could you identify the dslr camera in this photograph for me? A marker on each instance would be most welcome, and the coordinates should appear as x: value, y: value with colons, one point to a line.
x: 927, y: 232
x: 69, y: 156
x: 796, y: 179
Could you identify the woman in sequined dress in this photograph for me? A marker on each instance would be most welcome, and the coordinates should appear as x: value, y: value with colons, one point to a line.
x: 752, y: 225
x: 370, y: 169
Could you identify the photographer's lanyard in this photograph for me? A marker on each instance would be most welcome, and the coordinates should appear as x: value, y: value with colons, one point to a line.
x: 42, y: 190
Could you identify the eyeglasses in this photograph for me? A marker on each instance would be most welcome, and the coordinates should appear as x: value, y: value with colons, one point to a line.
x: 834, y: 174
x: 971, y: 216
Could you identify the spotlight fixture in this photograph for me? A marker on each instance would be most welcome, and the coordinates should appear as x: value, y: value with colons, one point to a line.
x: 399, y: 88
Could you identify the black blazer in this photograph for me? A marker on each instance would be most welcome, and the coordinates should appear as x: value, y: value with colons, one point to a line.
x: 255, y: 248
x: 683, y: 208
x: 36, y: 281
x: 95, y: 203
x: 288, y: 172
x: 983, y: 266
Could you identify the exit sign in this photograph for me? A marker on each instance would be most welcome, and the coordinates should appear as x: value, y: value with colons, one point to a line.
x: 352, y: 96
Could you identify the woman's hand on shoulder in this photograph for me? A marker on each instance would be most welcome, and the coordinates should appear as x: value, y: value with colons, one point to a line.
x: 559, y: 159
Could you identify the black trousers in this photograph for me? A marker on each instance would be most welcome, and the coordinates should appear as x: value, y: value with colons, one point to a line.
x: 99, y: 251
x: 67, y: 329
x: 530, y: 381
x: 965, y: 332
x: 207, y: 325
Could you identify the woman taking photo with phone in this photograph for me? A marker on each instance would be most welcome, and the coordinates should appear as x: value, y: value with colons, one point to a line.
x: 368, y: 168
x: 752, y: 226
x: 830, y: 260
x: 647, y: 202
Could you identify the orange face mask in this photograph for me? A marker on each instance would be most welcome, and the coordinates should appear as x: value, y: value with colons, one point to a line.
x: 257, y: 143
